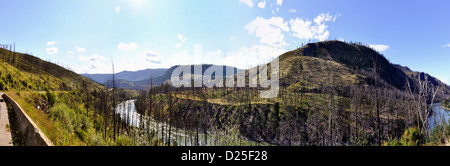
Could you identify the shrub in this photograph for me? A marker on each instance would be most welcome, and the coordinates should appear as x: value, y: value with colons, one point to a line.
x: 95, y: 139
x: 411, y: 137
x: 82, y: 134
x: 2, y: 85
x: 51, y: 98
x: 66, y: 115
x: 122, y: 140
x: 361, y: 140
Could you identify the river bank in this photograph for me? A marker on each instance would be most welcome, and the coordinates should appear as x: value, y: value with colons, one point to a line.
x: 179, y: 135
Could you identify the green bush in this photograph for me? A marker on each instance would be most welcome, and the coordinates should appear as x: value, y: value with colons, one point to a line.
x: 82, y: 134
x: 51, y: 98
x: 411, y: 137
x: 64, y: 114
x: 124, y: 141
x: 95, y: 139
x: 2, y: 85
x: 361, y: 140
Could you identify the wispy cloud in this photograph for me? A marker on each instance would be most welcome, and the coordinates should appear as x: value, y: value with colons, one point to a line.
x: 50, y: 43
x: 81, y: 49
x: 92, y: 58
x: 249, y: 3
x: 52, y: 50
x: 127, y: 47
x: 292, y: 11
x: 152, y: 57
x: 445, y: 79
x: 70, y: 54
x: 447, y: 45
x: 379, y: 48
x: 305, y: 29
x: 182, y: 40
x: 117, y: 9
x: 262, y: 4
x: 279, y: 2
x: 94, y: 61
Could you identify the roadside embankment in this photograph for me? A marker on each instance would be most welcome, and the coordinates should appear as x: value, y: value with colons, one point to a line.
x: 33, y: 135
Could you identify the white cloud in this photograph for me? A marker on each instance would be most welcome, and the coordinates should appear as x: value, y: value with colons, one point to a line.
x: 51, y: 43
x: 127, y: 47
x: 305, y: 29
x: 321, y: 18
x: 219, y: 52
x: 444, y: 79
x: 379, y: 48
x: 232, y: 38
x: 117, y: 9
x: 94, y: 61
x: 336, y: 16
x: 152, y: 57
x: 302, y: 29
x: 269, y: 30
x: 182, y: 40
x: 447, y: 45
x: 92, y: 58
x: 80, y: 49
x: 70, y: 54
x: 245, y: 57
x: 249, y: 3
x: 292, y: 11
x: 52, y: 50
x: 279, y: 2
x: 262, y: 4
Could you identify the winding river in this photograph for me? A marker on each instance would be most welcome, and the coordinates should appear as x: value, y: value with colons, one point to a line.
x: 128, y: 113
x: 438, y: 115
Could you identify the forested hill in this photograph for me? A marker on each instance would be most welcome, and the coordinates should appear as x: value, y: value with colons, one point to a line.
x: 347, y: 63
x: 20, y: 71
x: 122, y: 82
x: 128, y: 75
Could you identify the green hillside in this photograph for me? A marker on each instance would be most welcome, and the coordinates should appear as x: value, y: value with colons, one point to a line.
x: 346, y: 64
x: 26, y: 72
x: 331, y: 93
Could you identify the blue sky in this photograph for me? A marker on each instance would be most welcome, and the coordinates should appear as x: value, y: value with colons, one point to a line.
x: 138, y: 34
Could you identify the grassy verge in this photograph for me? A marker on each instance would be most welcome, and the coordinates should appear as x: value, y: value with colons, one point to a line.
x: 57, y: 124
x: 66, y: 121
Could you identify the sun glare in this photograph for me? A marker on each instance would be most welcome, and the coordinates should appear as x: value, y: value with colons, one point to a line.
x: 140, y: 4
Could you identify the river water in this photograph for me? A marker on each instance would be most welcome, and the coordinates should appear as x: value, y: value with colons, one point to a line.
x: 128, y: 113
x: 438, y: 115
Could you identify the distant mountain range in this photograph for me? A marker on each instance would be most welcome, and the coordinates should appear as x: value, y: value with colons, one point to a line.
x: 127, y: 75
x: 142, y: 79
x: 329, y: 62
